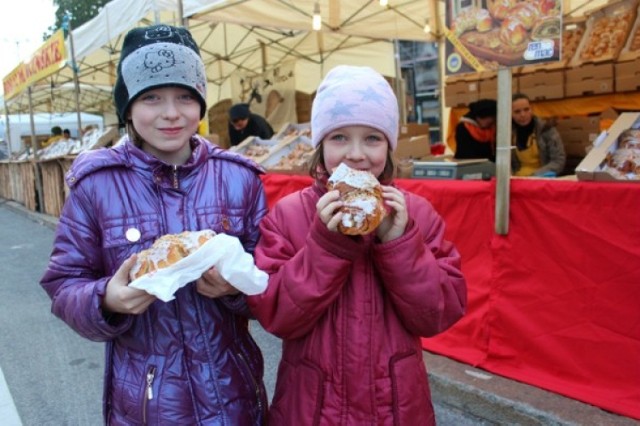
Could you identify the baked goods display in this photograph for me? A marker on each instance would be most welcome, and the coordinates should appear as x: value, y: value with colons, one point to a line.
x: 363, y: 208
x: 255, y: 148
x: 167, y: 250
x: 571, y: 36
x: 501, y: 33
x: 292, y: 157
x: 607, y: 32
x: 624, y: 162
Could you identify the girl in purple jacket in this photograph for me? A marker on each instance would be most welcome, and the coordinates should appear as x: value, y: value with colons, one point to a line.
x: 351, y: 310
x: 191, y: 360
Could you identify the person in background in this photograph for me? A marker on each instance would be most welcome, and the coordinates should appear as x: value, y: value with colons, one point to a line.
x: 56, y: 135
x: 351, y: 309
x: 66, y: 134
x: 539, y: 150
x: 476, y: 131
x: 243, y: 123
x: 192, y: 360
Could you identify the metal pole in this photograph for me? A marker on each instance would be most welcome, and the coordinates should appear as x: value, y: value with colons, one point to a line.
x: 76, y: 82
x: 503, y: 152
x: 35, y: 146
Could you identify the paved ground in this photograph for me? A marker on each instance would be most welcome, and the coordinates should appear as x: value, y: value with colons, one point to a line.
x: 51, y: 376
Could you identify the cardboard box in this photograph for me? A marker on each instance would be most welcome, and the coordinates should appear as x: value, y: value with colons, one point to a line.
x: 461, y: 93
x: 542, y: 85
x: 578, y: 134
x: 591, y: 167
x: 413, y: 147
x: 413, y: 129
x: 488, y: 87
x: 589, y: 79
x: 627, y: 76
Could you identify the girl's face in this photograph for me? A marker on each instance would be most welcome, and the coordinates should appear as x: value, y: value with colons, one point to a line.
x: 359, y: 147
x: 166, y: 118
x: 521, y: 112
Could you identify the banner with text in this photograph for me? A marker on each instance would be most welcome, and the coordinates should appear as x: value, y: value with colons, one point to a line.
x: 48, y: 59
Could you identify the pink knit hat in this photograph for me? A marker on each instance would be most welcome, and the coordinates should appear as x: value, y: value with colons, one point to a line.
x: 354, y: 96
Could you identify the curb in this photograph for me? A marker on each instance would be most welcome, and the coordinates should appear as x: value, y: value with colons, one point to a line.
x: 495, y: 399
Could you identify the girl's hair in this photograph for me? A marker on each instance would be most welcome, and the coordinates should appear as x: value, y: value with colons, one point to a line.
x: 134, y: 136
x: 317, y: 169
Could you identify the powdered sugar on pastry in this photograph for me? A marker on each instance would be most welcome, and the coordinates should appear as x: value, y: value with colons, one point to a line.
x: 361, y: 194
x: 168, y: 250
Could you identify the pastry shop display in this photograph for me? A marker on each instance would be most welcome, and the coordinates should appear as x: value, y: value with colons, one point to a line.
x: 361, y: 193
x: 255, y: 148
x: 168, y: 250
x: 291, y: 157
x: 624, y: 162
x: 571, y: 36
x: 291, y: 131
x: 607, y: 32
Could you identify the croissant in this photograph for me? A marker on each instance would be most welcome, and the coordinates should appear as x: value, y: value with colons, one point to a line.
x: 361, y: 193
x: 168, y: 250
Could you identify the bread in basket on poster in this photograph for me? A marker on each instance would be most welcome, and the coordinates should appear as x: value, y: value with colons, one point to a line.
x: 175, y: 260
x: 361, y: 193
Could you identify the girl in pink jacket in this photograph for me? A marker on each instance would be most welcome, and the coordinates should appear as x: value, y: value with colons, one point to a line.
x: 351, y: 309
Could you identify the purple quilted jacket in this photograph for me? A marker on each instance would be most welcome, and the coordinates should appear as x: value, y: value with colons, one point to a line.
x: 186, y: 362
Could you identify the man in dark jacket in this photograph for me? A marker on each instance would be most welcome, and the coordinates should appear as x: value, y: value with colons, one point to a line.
x: 243, y: 123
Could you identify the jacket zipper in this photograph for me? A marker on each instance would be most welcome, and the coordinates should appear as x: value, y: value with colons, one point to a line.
x: 175, y: 177
x: 148, y: 396
x: 253, y: 380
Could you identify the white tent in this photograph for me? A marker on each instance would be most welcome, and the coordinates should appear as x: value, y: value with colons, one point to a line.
x: 246, y: 36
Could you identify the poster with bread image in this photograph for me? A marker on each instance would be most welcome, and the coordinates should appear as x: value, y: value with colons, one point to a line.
x: 484, y: 35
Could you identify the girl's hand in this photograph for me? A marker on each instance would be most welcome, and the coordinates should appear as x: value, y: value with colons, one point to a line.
x: 394, y: 224
x: 122, y: 299
x: 328, y: 208
x: 212, y: 285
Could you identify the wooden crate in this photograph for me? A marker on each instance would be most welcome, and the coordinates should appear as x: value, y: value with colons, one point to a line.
x: 52, y: 187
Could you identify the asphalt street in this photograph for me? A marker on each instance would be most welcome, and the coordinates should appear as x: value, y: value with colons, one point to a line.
x: 53, y: 376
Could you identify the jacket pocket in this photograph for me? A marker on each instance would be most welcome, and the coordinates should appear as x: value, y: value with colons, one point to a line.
x: 220, y: 221
x: 123, y: 237
x: 299, y: 394
x: 410, y: 390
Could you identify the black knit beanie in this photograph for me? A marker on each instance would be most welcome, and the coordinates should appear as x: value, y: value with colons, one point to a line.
x: 158, y: 56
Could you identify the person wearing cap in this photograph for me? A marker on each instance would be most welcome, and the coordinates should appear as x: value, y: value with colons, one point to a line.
x: 243, y: 123
x: 191, y: 360
x: 476, y: 131
x: 539, y: 150
x: 351, y: 309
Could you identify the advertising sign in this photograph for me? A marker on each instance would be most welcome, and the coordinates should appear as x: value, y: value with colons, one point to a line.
x: 49, y: 58
x: 484, y: 35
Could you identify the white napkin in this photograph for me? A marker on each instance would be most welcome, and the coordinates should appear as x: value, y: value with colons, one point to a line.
x: 222, y: 251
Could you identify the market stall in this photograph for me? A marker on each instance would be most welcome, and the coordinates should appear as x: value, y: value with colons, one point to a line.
x: 554, y: 302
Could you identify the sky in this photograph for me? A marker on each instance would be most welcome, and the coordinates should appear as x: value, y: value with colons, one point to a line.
x: 22, y: 24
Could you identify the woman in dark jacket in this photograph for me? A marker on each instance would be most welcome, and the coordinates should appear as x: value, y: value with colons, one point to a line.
x: 190, y: 361
x: 476, y: 131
